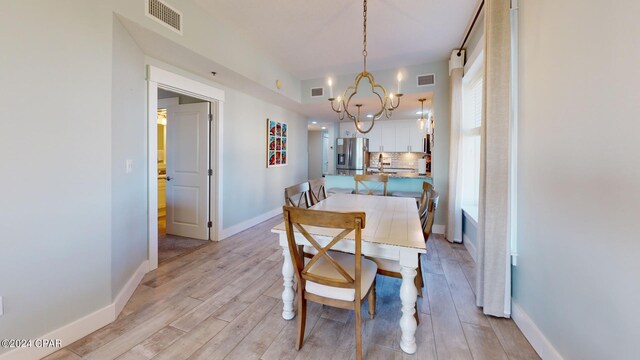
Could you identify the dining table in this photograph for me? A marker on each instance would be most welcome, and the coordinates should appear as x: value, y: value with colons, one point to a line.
x: 392, y: 231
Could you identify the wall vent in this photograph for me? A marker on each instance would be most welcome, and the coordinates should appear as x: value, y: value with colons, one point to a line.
x: 317, y: 92
x: 426, y: 80
x: 164, y: 14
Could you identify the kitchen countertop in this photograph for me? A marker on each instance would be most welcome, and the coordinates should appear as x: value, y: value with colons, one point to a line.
x: 401, y: 175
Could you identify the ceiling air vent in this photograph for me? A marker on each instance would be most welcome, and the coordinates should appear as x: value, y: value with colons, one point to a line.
x: 317, y: 92
x: 164, y: 14
x: 426, y: 80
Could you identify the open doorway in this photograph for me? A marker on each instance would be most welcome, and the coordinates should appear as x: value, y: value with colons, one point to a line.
x: 207, y: 127
x: 183, y: 141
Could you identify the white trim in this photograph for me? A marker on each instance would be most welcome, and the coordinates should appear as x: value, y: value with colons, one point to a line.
x: 183, y: 85
x: 471, y: 248
x: 540, y: 343
x: 84, y: 326
x: 513, y: 140
x: 125, y: 294
x: 159, y: 78
x: 152, y: 174
x: 439, y: 229
x: 232, y: 230
x: 217, y: 168
x: 470, y: 217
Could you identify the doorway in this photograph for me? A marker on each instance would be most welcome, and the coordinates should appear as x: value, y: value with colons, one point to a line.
x: 189, y: 157
x: 183, y: 179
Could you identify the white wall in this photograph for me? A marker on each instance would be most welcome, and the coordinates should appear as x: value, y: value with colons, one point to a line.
x: 315, y: 154
x: 129, y: 133
x: 55, y: 151
x: 72, y: 223
x: 578, y: 273
x: 250, y: 188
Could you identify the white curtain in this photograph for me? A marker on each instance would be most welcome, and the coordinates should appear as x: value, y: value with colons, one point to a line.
x: 493, y: 278
x: 454, y: 209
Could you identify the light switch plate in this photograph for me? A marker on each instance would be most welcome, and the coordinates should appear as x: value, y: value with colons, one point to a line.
x: 129, y: 166
x: 1, y: 307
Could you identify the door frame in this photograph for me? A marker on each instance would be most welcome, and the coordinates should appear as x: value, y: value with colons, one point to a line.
x: 161, y: 79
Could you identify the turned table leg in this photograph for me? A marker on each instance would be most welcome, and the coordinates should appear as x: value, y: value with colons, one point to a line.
x: 288, y: 294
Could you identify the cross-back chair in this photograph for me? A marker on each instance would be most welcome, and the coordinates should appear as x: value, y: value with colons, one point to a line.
x: 317, y: 190
x: 370, y: 184
x: 330, y: 278
x: 427, y: 189
x: 297, y: 195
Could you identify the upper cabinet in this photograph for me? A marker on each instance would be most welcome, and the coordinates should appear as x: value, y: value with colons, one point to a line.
x: 374, y: 136
x: 403, y: 137
x: 388, y: 136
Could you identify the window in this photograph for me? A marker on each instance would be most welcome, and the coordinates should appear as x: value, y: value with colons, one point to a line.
x: 472, y: 88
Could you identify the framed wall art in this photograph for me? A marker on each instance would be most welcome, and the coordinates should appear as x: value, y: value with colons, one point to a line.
x: 277, y: 139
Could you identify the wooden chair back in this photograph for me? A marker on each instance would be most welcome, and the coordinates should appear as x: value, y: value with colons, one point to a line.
x: 366, y: 182
x: 431, y: 213
x: 297, y: 195
x: 352, y: 221
x: 317, y: 191
x: 427, y: 188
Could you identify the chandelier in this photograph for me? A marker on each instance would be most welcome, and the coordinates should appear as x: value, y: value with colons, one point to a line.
x: 387, y: 104
x: 422, y: 121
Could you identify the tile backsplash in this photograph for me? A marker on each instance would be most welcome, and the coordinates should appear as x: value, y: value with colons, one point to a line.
x: 396, y: 160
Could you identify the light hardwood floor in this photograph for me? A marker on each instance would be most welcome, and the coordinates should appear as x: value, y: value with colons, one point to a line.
x: 223, y: 301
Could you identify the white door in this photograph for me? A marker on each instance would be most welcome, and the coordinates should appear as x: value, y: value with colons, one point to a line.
x: 187, y: 170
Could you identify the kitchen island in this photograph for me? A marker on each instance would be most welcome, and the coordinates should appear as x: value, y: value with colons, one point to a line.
x: 398, y: 181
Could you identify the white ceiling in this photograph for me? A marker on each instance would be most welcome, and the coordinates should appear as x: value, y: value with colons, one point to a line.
x: 313, y: 39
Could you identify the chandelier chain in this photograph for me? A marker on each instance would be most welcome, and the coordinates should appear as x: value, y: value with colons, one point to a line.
x: 364, y: 30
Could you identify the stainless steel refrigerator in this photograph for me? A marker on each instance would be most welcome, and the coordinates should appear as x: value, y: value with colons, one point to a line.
x: 353, y: 153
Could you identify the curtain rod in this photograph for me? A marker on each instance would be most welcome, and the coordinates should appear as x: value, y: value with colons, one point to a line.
x: 470, y: 28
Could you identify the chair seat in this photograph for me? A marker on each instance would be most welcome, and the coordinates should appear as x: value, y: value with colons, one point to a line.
x: 387, y: 265
x: 339, y: 191
x: 323, y: 268
x: 373, y: 192
x: 407, y: 194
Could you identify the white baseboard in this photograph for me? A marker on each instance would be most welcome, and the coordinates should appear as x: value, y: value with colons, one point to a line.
x: 439, y: 229
x: 67, y: 334
x: 540, y: 343
x: 84, y: 326
x: 125, y: 294
x: 471, y: 248
x: 232, y: 230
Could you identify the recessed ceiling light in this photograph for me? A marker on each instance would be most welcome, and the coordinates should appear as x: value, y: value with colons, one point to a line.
x: 324, y: 128
x: 314, y: 122
x: 369, y: 116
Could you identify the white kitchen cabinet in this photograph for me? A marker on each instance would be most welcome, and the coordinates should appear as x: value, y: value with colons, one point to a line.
x: 403, y: 136
x: 387, y: 136
x: 375, y: 141
x: 417, y: 136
